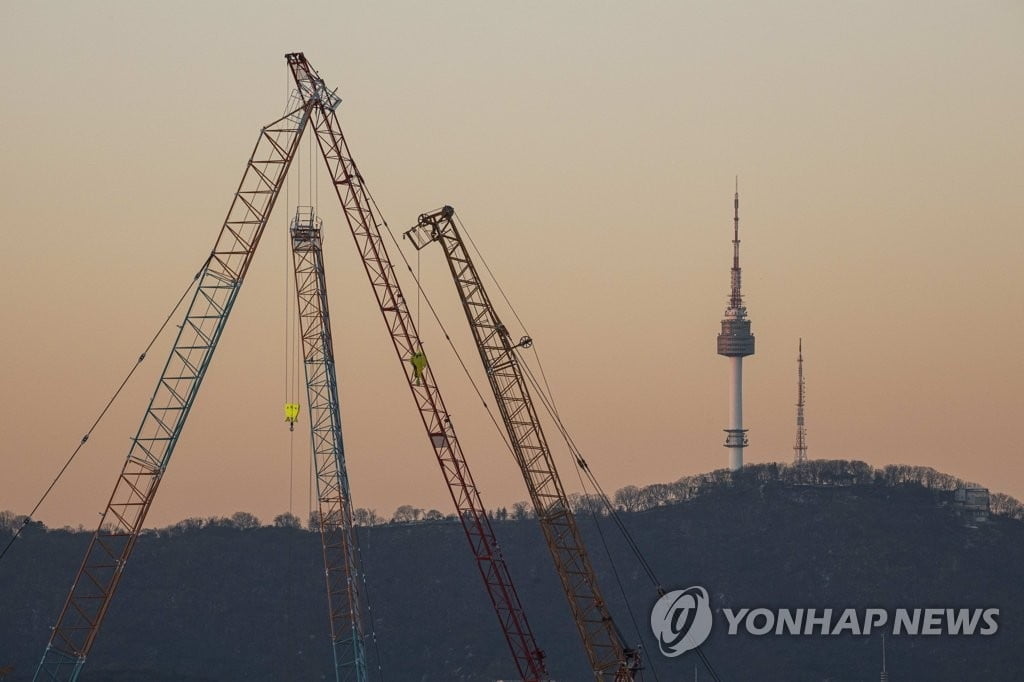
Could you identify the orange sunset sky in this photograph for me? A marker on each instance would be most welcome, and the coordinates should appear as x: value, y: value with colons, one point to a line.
x: 590, y: 148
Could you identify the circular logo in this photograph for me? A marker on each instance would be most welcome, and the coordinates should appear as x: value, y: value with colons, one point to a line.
x: 681, y: 620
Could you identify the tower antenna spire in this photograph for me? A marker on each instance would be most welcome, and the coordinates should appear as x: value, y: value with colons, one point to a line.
x: 736, y: 342
x: 736, y: 294
x: 800, y: 447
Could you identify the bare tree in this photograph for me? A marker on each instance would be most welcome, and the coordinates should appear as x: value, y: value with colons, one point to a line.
x: 628, y: 498
x: 366, y: 517
x: 191, y: 523
x: 287, y: 520
x: 406, y: 514
x: 1004, y: 505
x: 244, y: 520
x: 654, y: 495
x: 582, y: 503
x: 7, y: 521
x: 521, y: 510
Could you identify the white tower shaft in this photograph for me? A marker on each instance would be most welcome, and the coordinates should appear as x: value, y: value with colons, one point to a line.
x: 736, y: 438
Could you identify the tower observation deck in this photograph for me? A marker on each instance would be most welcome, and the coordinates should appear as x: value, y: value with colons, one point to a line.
x: 736, y: 342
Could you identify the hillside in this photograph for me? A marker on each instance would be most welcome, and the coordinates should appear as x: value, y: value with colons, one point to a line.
x: 223, y: 603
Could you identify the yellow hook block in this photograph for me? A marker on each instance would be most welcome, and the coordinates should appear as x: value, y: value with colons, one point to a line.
x: 419, y: 363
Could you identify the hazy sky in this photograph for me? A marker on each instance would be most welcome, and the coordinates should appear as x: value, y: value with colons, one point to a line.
x: 590, y: 148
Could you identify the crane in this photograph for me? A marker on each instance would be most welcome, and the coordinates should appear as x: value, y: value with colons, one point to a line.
x: 218, y: 284
x: 365, y: 223
x: 337, y: 532
x: 609, y: 658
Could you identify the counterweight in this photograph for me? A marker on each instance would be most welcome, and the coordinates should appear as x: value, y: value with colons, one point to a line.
x: 337, y: 533
x: 219, y: 283
x: 609, y: 659
x: 365, y: 224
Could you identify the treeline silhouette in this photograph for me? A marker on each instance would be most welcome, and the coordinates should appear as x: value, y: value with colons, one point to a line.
x: 239, y: 598
x: 631, y: 498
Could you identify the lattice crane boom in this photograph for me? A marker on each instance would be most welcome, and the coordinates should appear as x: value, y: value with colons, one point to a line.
x: 366, y: 224
x: 337, y: 532
x: 218, y: 285
x: 608, y: 657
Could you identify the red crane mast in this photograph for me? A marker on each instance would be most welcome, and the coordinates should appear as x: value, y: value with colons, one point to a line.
x: 365, y: 223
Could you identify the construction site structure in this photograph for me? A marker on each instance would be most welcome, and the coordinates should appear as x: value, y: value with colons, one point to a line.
x: 800, y: 447
x: 342, y: 569
x: 609, y: 658
x: 218, y: 284
x: 217, y: 287
x: 366, y: 225
x: 736, y: 342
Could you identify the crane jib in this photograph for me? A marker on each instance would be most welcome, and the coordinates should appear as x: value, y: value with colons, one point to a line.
x: 153, y: 444
x: 609, y: 658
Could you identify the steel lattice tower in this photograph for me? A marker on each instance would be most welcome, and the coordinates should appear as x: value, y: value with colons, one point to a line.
x: 218, y: 284
x: 609, y: 658
x: 800, y: 448
x: 736, y: 342
x: 334, y: 498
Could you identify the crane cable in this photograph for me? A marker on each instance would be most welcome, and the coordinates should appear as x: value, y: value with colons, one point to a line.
x: 104, y: 411
x: 289, y: 588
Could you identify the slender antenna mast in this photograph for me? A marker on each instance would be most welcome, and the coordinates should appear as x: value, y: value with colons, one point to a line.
x: 736, y: 342
x: 800, y: 448
x: 735, y: 293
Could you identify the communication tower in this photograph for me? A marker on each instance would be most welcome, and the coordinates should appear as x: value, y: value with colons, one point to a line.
x: 800, y: 448
x: 736, y: 342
